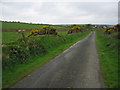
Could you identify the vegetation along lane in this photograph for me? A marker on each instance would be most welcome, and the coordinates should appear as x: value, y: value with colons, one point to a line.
x: 76, y: 67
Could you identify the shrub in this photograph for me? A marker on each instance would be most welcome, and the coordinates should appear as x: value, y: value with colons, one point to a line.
x: 14, y: 54
x: 35, y: 47
x: 20, y: 53
x: 117, y: 27
x: 46, y: 30
x: 74, y: 29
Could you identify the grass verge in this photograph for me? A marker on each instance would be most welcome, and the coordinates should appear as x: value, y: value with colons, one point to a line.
x: 17, y: 72
x: 108, y: 55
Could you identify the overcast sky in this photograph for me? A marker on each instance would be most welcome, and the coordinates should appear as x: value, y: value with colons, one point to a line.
x: 61, y: 12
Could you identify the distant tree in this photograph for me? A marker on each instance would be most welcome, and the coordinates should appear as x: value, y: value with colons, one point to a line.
x: 88, y: 26
x: 73, y: 25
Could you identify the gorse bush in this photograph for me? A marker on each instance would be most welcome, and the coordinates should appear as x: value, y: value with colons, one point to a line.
x: 116, y: 28
x: 46, y: 30
x: 74, y: 29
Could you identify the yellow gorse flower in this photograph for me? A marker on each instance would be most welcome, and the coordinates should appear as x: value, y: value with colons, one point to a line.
x: 43, y: 31
x: 109, y: 30
x: 74, y: 29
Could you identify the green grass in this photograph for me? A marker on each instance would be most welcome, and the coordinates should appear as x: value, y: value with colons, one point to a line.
x: 20, y: 25
x: 0, y: 37
x: 54, y: 47
x: 63, y: 33
x: 13, y: 26
x: 108, y: 55
x: 9, y: 37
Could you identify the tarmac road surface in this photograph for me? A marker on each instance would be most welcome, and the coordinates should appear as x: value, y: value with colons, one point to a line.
x: 76, y: 67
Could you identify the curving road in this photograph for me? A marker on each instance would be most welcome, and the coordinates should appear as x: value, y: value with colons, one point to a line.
x: 76, y: 67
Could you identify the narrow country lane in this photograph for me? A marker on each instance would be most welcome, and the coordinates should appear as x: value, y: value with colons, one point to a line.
x: 76, y: 67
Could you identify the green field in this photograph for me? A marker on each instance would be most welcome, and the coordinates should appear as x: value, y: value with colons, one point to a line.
x: 20, y: 25
x: 108, y: 55
x: 9, y: 37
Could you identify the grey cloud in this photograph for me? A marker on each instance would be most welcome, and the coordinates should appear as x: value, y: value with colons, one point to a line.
x: 52, y: 12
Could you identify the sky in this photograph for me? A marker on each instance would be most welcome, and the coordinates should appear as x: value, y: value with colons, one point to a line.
x: 60, y: 12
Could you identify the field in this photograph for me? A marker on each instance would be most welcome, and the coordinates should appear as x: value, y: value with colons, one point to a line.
x: 13, y: 26
x: 9, y: 37
x: 10, y: 29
